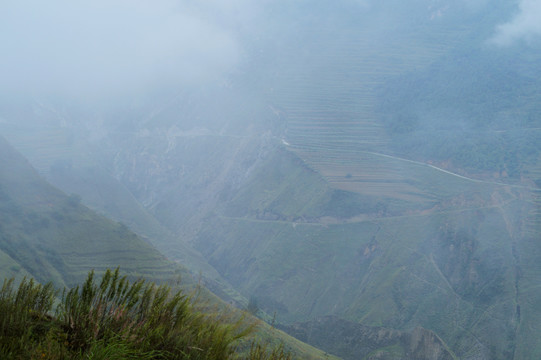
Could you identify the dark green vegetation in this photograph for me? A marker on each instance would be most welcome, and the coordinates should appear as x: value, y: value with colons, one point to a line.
x: 478, y: 110
x: 116, y: 319
x: 378, y: 164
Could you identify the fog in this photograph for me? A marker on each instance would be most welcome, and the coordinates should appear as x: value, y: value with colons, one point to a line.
x: 373, y: 161
x: 525, y: 25
x: 103, y: 48
x: 99, y: 49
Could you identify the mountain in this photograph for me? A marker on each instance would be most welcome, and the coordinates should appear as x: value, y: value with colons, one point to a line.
x: 376, y: 163
x: 359, y: 341
x: 51, y: 237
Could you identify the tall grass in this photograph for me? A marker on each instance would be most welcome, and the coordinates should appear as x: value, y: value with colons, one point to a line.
x: 117, y: 319
x: 24, y: 314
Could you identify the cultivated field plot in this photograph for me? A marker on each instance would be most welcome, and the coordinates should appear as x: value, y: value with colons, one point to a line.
x: 378, y: 174
x: 43, y: 148
x: 329, y: 103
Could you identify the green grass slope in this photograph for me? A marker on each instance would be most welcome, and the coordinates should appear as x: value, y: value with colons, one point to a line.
x: 76, y: 166
x: 304, y: 249
x: 52, y: 236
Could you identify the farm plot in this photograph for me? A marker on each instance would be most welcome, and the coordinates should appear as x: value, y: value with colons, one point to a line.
x: 329, y: 103
x: 44, y: 148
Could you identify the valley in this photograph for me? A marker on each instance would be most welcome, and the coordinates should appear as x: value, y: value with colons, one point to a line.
x: 367, y: 176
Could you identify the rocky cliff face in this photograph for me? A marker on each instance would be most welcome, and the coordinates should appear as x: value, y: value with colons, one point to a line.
x: 424, y: 344
x: 357, y: 341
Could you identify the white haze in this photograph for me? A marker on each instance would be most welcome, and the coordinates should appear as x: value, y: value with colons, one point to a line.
x: 99, y: 49
x: 526, y: 25
x: 92, y: 49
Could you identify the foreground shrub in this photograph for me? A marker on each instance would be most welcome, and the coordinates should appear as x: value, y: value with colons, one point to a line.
x: 116, y: 319
x: 24, y: 314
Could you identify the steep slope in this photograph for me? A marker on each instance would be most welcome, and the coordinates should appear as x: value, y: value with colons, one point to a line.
x: 374, y: 267
x: 357, y: 341
x: 388, y: 179
x: 72, y: 163
x: 51, y: 236
x: 280, y: 233
x: 336, y: 220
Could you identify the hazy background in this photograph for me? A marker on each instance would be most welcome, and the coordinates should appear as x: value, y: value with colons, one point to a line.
x: 99, y: 49
x: 374, y: 161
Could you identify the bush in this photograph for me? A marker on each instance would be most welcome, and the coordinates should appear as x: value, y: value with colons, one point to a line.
x: 117, y: 319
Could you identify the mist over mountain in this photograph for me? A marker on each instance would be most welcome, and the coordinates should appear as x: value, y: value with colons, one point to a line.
x: 52, y: 237
x: 524, y: 26
x: 362, y: 165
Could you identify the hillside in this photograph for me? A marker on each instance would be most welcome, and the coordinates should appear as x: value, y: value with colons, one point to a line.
x: 359, y: 341
x: 53, y: 237
x: 72, y: 164
x: 367, y: 167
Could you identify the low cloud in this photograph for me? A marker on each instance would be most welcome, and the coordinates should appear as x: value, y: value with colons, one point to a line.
x: 100, y: 48
x: 525, y: 25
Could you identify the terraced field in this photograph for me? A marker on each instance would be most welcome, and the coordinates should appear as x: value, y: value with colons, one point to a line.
x: 329, y: 103
x: 54, y: 238
x: 46, y: 146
